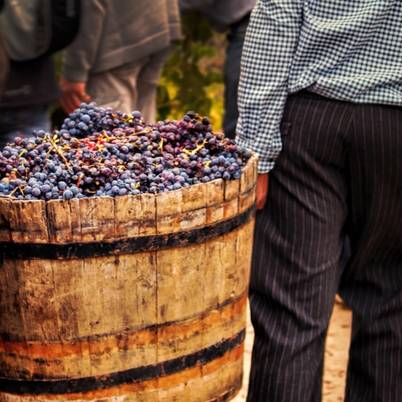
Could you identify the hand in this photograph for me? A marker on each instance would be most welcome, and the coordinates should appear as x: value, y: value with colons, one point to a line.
x: 72, y: 94
x: 262, y: 190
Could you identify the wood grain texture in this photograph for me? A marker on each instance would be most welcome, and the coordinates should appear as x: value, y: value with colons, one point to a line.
x: 135, y: 348
x: 89, y: 317
x: 28, y: 221
x: 5, y: 230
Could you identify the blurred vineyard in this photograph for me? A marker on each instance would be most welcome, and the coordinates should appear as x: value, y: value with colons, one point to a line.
x: 193, y: 76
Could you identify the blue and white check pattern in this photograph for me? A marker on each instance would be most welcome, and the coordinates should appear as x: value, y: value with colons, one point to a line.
x: 343, y: 49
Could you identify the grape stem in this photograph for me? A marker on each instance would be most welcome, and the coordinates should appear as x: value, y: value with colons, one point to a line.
x: 15, y: 190
x: 196, y: 149
x: 146, y: 131
x: 57, y: 149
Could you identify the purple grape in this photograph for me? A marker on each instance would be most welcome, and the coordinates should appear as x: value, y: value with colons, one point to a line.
x: 36, y: 192
x: 103, y: 152
x: 68, y: 195
x: 45, y: 189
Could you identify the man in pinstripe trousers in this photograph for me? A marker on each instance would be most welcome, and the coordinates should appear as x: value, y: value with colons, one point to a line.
x: 321, y: 103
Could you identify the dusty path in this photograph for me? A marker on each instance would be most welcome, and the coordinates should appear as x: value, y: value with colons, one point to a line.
x: 335, y: 356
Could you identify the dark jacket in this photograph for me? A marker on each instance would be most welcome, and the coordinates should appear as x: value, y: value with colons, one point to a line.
x: 3, y: 65
x: 222, y: 13
x: 30, y: 83
x: 3, y: 59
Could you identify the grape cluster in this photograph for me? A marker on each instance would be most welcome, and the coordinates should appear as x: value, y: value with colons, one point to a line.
x: 117, y: 154
x: 89, y: 118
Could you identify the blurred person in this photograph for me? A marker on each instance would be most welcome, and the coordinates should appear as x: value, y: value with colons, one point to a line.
x: 231, y: 16
x: 118, y: 55
x: 32, y: 32
x: 3, y: 58
x: 30, y: 89
x: 320, y: 102
x: 4, y: 65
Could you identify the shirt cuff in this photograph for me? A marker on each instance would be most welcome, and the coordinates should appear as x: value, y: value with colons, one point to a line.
x: 264, y: 164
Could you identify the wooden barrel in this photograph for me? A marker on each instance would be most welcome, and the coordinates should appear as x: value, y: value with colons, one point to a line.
x: 134, y: 298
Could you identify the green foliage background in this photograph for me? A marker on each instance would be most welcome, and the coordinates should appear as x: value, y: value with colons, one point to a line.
x: 193, y: 75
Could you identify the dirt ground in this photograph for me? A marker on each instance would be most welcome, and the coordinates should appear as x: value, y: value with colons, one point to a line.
x: 335, y: 356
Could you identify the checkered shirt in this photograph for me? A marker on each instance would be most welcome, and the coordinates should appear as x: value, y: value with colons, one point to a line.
x: 343, y: 49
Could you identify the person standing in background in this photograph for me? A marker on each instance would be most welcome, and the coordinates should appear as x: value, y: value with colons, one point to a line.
x: 117, y: 57
x: 231, y: 16
x: 30, y: 89
x: 32, y: 32
x: 320, y: 101
x: 4, y: 63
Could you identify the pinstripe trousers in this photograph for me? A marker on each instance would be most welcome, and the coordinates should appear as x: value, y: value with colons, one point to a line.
x: 340, y: 173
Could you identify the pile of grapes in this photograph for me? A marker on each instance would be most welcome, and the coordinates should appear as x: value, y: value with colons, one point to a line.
x: 99, y: 152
